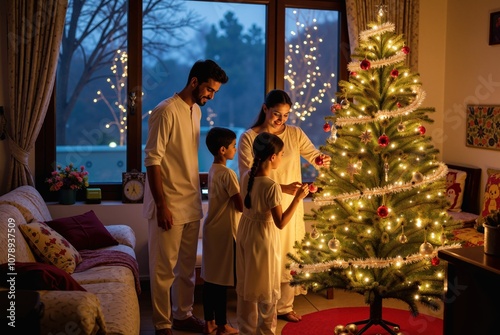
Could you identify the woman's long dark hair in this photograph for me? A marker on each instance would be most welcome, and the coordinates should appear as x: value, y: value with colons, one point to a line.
x: 273, y: 98
x: 264, y: 146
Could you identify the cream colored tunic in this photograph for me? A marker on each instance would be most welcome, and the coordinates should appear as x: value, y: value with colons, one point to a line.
x: 174, y: 135
x: 297, y: 144
x: 258, y: 259
x: 220, y: 226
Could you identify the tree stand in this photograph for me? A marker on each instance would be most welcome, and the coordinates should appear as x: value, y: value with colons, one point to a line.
x: 376, y: 318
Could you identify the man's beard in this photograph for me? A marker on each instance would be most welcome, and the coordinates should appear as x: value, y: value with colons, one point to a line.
x: 197, y: 97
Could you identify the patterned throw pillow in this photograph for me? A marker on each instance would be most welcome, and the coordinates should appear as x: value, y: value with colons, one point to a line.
x: 491, y: 200
x: 455, y: 185
x: 50, y: 247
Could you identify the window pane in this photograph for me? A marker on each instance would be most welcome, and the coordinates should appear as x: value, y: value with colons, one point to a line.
x: 233, y: 35
x: 91, y: 97
x: 311, y: 64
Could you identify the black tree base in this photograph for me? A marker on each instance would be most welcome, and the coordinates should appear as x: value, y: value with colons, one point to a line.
x: 376, y: 319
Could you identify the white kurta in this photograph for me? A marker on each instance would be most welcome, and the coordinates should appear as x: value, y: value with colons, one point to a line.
x: 220, y: 226
x: 258, y: 259
x: 297, y: 144
x: 174, y: 135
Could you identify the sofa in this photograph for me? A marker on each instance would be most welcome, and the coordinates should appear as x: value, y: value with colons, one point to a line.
x: 85, y: 273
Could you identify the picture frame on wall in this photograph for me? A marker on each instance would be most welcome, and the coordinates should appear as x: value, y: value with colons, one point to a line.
x: 482, y: 130
x: 494, y: 28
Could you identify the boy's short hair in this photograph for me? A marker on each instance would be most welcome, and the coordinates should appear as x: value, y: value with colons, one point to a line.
x: 218, y: 137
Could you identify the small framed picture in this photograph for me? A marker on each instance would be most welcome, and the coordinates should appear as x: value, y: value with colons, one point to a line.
x: 495, y: 28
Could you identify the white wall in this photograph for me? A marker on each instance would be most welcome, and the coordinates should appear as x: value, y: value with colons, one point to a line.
x: 472, y: 76
x: 454, y: 62
x: 431, y: 63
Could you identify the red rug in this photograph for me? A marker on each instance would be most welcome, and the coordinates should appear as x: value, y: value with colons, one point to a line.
x: 324, y: 322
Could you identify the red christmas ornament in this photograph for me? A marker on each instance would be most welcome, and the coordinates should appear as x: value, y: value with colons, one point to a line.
x: 293, y: 273
x: 421, y: 129
x: 326, y: 127
x: 319, y: 160
x: 435, y: 261
x: 313, y: 188
x: 399, y: 105
x: 354, y: 74
x: 338, y: 106
x: 365, y: 64
x: 383, y: 140
x: 383, y: 211
x: 406, y: 50
x: 394, y: 73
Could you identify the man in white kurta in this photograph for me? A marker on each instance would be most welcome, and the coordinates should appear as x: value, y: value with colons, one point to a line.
x: 172, y: 198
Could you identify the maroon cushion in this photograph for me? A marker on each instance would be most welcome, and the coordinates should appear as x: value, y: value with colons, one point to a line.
x: 38, y: 276
x: 83, y: 231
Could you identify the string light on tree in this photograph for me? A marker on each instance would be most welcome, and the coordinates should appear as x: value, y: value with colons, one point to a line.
x: 117, y: 101
x: 306, y: 82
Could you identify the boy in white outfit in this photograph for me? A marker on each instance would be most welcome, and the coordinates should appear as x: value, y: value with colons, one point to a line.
x: 219, y: 231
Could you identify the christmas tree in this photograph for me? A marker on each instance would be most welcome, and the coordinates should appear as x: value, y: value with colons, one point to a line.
x: 381, y: 215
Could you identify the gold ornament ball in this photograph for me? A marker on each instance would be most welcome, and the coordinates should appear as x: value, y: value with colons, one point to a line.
x: 339, y: 329
x: 396, y: 328
x: 352, y: 328
x: 426, y: 249
x: 334, y: 245
x: 315, y: 233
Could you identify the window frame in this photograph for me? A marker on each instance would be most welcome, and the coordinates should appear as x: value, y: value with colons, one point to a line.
x: 45, y: 149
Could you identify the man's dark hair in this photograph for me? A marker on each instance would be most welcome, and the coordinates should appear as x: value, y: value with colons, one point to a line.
x: 207, y: 69
x: 218, y: 137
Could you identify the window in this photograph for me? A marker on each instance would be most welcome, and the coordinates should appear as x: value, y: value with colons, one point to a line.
x: 115, y: 65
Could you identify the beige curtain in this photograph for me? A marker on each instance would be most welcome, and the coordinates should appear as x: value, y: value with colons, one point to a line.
x: 34, y: 36
x: 403, y: 13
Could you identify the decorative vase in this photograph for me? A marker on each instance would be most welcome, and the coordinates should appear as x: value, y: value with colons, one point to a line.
x: 491, y: 240
x: 67, y: 196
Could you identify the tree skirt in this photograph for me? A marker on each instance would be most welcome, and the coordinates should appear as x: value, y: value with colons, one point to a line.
x: 324, y: 322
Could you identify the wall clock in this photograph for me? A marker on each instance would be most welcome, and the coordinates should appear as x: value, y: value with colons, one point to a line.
x: 133, y: 186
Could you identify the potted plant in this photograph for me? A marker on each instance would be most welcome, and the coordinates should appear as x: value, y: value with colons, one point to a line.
x: 67, y: 181
x: 492, y: 233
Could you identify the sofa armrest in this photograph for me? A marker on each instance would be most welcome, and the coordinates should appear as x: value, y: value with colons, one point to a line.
x: 123, y: 234
x: 71, y: 312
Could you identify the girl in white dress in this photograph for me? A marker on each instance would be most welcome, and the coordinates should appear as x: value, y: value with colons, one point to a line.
x: 258, y: 252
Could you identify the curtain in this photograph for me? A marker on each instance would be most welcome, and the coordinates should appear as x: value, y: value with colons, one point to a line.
x: 403, y: 13
x: 34, y: 31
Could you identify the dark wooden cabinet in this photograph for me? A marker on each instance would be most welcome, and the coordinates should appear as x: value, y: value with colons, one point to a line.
x: 472, y: 299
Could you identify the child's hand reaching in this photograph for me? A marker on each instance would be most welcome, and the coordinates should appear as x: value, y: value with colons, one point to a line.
x: 302, y: 191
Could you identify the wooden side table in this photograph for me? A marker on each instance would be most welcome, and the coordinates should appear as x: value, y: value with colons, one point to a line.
x: 472, y: 299
x: 28, y: 310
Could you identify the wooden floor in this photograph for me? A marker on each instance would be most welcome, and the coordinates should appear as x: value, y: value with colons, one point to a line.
x: 304, y: 304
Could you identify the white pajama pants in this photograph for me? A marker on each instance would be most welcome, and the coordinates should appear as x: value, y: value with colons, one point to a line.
x: 256, y: 318
x: 285, y: 304
x: 172, y: 260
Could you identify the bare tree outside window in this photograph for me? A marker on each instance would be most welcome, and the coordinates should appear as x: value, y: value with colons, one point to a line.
x: 94, y: 31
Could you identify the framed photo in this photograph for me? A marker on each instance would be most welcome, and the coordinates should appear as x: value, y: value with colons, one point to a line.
x: 483, y: 127
x: 495, y: 28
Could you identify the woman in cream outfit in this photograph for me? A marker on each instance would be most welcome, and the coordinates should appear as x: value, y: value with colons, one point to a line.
x: 272, y: 117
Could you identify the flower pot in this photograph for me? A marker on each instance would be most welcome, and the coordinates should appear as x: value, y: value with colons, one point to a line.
x: 67, y: 196
x: 492, y: 240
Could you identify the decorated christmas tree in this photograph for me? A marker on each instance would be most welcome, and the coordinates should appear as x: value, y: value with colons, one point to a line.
x: 381, y: 214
